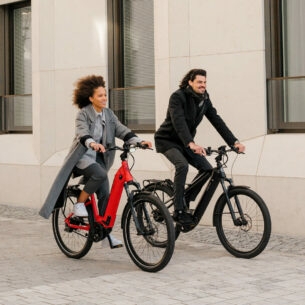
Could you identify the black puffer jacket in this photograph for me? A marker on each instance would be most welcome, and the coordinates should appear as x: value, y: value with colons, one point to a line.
x: 184, y: 114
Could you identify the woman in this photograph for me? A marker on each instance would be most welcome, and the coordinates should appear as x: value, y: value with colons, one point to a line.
x: 96, y: 129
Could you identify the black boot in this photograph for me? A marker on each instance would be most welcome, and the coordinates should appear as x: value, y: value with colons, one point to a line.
x: 183, y: 218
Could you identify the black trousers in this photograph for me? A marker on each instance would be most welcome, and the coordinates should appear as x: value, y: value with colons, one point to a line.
x: 96, y: 181
x: 181, y: 161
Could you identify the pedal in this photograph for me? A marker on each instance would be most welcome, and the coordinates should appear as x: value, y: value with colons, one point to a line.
x: 190, y: 211
x: 187, y: 228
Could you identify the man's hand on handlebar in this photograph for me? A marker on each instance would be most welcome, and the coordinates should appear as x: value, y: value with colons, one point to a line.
x: 240, y: 147
x: 197, y: 149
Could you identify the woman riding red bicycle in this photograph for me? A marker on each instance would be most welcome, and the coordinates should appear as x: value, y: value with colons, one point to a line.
x: 96, y: 129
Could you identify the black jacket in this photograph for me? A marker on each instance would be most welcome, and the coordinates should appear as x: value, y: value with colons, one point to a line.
x: 184, y: 114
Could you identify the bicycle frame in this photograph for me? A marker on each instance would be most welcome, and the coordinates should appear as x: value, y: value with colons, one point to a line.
x: 217, y: 177
x: 214, y: 178
x: 123, y: 178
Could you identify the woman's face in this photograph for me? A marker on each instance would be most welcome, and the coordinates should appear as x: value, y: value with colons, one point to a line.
x: 99, y: 99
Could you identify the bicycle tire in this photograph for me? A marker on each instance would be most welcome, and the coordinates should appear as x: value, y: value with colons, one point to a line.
x: 165, y: 193
x: 73, y: 243
x: 153, y: 250
x: 243, y: 241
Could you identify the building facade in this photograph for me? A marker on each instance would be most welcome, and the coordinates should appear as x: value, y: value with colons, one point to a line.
x: 254, y: 80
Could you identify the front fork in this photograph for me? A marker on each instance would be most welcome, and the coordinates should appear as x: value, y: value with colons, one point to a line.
x: 130, y: 197
x: 238, y: 221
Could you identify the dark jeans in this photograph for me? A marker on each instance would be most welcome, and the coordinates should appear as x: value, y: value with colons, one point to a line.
x: 96, y: 181
x: 181, y: 162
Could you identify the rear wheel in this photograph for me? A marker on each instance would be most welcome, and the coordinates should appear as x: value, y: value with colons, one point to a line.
x: 74, y: 243
x: 151, y: 242
x: 165, y: 193
x: 249, y: 236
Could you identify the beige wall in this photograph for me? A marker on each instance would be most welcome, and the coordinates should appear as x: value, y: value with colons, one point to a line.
x: 224, y: 37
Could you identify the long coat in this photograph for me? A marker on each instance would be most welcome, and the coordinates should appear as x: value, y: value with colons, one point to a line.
x: 182, y: 119
x: 85, y: 123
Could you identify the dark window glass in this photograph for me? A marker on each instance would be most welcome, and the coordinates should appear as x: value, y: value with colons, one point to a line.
x: 131, y: 63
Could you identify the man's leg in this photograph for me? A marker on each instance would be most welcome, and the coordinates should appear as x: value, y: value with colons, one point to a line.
x: 181, y: 166
x: 200, y: 163
x: 181, y: 170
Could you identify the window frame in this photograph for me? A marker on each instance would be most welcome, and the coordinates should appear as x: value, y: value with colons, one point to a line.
x: 274, y: 71
x: 7, y: 69
x: 116, y: 59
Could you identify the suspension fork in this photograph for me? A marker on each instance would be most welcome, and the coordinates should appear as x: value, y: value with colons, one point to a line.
x: 240, y: 220
x: 130, y: 196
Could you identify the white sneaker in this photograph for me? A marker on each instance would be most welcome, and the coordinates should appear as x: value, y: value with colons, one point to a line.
x: 113, y: 242
x: 80, y: 210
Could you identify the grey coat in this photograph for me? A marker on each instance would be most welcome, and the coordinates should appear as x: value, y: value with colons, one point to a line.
x: 85, y: 123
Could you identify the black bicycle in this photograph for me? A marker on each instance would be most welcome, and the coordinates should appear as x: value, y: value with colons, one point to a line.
x: 241, y: 217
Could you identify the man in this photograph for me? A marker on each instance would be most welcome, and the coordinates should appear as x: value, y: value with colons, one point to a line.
x: 175, y: 137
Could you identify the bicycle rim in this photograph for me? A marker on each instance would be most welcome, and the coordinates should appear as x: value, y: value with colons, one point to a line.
x: 73, y: 243
x: 250, y: 239
x: 152, y: 250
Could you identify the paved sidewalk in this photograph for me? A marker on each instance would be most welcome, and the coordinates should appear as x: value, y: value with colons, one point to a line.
x: 34, y: 271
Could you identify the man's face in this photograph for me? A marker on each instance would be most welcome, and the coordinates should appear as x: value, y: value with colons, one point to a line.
x: 199, y: 84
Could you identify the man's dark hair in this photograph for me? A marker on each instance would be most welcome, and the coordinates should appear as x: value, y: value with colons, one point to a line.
x: 84, y: 88
x: 191, y: 75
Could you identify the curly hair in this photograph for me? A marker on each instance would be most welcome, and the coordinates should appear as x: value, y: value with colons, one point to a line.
x: 191, y: 75
x: 84, y: 88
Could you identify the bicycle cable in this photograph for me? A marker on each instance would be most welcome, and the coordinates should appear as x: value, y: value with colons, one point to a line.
x: 133, y: 161
x: 233, y: 164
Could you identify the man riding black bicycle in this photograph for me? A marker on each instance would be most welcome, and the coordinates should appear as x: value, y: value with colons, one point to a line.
x: 175, y: 136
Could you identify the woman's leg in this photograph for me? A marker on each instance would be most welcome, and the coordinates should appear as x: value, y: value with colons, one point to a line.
x: 95, y: 176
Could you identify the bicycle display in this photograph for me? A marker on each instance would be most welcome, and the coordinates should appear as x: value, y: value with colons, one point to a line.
x: 241, y: 217
x: 148, y: 229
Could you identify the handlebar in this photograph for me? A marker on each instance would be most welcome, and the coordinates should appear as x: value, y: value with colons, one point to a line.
x: 222, y: 150
x: 129, y: 147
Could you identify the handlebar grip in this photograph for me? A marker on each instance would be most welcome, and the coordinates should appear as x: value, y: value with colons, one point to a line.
x: 236, y: 150
x: 143, y: 146
x: 208, y: 151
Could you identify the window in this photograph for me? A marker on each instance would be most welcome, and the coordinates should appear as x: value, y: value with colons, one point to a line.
x: 16, y: 68
x: 285, y: 60
x: 131, y: 75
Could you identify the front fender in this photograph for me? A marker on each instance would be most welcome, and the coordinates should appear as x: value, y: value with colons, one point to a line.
x: 221, y: 197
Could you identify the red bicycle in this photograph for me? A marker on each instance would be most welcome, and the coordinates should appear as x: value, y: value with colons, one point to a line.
x: 148, y: 229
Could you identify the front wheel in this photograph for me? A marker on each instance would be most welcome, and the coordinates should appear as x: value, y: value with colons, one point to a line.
x: 249, y: 235
x: 148, y: 232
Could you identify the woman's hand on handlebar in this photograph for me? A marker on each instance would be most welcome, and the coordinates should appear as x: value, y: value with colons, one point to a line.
x: 97, y: 147
x: 145, y: 144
